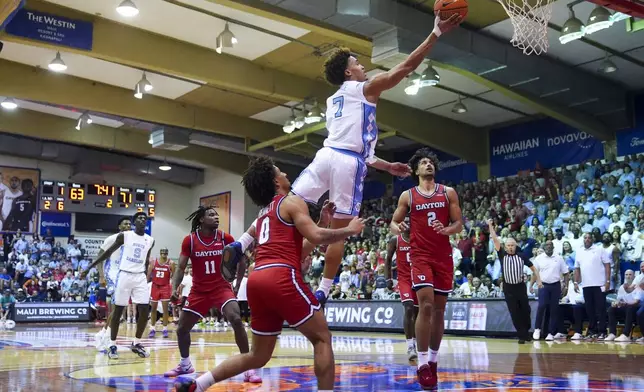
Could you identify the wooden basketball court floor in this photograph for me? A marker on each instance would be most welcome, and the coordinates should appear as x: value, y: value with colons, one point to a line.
x: 62, y: 358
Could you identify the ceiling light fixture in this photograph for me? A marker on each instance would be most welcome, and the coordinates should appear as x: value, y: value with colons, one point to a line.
x: 128, y: 9
x: 459, y: 108
x: 572, y: 30
x: 599, y: 19
x: 9, y: 104
x: 607, y: 65
x: 225, y: 39
x: 165, y: 166
x: 150, y: 140
x: 289, y: 125
x: 147, y: 86
x: 57, y: 64
x: 314, y: 115
x: 413, y: 85
x: 84, y: 118
x: 138, y: 91
x: 618, y: 16
x: 429, y: 77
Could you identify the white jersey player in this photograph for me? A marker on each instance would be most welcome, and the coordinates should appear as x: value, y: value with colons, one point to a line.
x: 131, y: 280
x: 7, y: 195
x: 341, y: 165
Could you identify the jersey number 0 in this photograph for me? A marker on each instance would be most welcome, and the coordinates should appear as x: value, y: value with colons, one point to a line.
x: 264, y: 231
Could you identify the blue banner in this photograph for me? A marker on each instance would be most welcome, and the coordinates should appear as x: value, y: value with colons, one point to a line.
x: 451, y: 170
x: 10, y: 11
x: 549, y: 142
x: 148, y: 227
x: 60, y: 223
x: 52, y: 29
x: 631, y: 141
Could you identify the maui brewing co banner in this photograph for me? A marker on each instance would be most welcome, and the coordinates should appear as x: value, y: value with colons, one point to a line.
x: 32, y: 312
x: 548, y: 142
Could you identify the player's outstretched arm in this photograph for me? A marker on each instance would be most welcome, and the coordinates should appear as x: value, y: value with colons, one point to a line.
x: 295, y: 210
x: 398, y: 224
x: 391, y: 249
x: 388, y: 80
x: 108, y: 252
x: 326, y: 214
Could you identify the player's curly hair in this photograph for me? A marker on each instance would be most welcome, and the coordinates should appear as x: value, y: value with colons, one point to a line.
x: 123, y: 219
x: 259, y: 181
x: 140, y: 213
x: 196, y: 217
x: 335, y: 65
x: 418, y: 156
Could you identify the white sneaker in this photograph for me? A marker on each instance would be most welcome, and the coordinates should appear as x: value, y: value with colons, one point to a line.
x: 217, y: 325
x: 560, y: 336
x: 550, y: 337
x: 98, y: 339
x: 609, y: 338
x: 623, y: 338
x: 640, y: 340
x: 576, y: 336
x: 536, y: 335
x: 225, y: 324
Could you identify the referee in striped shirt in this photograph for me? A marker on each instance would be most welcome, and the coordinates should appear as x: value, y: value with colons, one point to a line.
x: 514, y: 289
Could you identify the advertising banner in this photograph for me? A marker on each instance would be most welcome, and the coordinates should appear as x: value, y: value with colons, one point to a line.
x: 461, y: 316
x: 19, y: 199
x: 59, y: 223
x: 52, y: 311
x: 91, y: 244
x: 549, y: 142
x: 630, y: 141
x: 52, y: 29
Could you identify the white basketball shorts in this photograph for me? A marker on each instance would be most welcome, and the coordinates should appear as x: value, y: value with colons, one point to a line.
x: 342, y: 173
x: 131, y: 285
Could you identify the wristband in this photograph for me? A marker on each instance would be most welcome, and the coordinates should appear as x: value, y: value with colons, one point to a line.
x: 437, y: 31
x: 245, y: 240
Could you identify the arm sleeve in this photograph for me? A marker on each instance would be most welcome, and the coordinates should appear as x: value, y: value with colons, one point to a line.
x: 228, y: 239
x: 109, y: 241
x: 186, y: 246
x: 527, y: 262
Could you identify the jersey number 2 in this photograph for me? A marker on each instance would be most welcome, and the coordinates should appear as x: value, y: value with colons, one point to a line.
x: 264, y: 231
x: 431, y: 217
x: 339, y: 101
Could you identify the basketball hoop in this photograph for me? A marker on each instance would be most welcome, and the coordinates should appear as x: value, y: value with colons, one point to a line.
x: 530, y: 24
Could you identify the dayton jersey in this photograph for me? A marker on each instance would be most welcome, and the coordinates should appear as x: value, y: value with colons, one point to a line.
x: 403, y: 258
x: 161, y: 273
x: 135, y: 252
x: 111, y: 268
x: 205, y: 253
x: 426, y: 208
x: 351, y: 121
x: 278, y: 242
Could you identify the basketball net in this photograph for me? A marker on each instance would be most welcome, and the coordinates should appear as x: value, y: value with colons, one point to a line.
x: 530, y: 24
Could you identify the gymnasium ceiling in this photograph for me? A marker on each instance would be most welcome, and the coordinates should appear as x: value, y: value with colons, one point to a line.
x: 228, y: 103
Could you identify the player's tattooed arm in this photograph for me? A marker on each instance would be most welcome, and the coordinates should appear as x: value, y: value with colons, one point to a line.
x: 398, y: 224
x: 391, y: 249
x: 296, y: 211
x: 326, y: 214
x: 455, y: 215
x: 103, y: 256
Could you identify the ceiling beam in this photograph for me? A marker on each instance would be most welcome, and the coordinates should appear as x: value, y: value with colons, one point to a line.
x: 54, y: 128
x: 169, y: 56
x: 35, y: 84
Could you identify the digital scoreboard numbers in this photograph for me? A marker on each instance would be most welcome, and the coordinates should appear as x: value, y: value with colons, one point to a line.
x: 60, y: 196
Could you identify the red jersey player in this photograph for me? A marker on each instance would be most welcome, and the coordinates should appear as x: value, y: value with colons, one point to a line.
x: 160, y: 274
x: 204, y: 247
x: 399, y: 245
x: 276, y: 291
x: 434, y: 215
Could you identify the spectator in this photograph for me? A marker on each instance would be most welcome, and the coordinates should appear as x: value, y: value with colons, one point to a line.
x: 7, y: 303
x: 626, y: 303
x: 553, y: 270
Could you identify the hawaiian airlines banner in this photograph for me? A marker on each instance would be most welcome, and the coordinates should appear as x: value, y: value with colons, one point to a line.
x: 549, y: 142
x: 451, y: 169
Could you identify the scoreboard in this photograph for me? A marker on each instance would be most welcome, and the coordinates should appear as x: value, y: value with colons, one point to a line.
x: 57, y: 196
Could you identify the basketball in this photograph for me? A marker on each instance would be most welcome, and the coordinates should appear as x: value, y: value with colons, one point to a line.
x: 448, y: 8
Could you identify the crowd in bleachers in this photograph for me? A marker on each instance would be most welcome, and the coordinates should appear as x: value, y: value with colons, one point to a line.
x: 604, y: 198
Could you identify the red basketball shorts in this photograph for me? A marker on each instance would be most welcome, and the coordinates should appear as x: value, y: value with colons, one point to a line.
x: 406, y: 292
x: 160, y: 293
x: 200, y: 303
x: 277, y: 294
x: 436, y: 272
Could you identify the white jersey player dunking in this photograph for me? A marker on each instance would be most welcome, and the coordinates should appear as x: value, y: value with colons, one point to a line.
x: 341, y: 165
x: 131, y: 281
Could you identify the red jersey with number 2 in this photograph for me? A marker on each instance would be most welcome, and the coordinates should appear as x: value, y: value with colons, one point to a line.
x: 278, y: 242
x: 425, y: 209
x: 403, y: 259
x: 161, y: 273
x: 205, y: 254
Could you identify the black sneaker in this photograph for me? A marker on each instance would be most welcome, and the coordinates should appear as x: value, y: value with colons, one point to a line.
x: 139, y: 350
x: 521, y: 341
x: 111, y: 353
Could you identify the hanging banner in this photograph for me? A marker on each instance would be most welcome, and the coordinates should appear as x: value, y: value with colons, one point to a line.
x: 549, y: 142
x: 221, y: 203
x: 630, y: 141
x: 19, y: 199
x: 92, y: 245
x: 60, y: 223
x: 52, y: 29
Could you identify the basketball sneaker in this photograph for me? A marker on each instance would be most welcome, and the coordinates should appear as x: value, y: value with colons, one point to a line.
x: 428, y: 376
x: 112, y: 353
x: 412, y: 355
x: 152, y: 334
x: 252, y: 377
x: 185, y: 386
x: 623, y: 339
x: 166, y: 334
x: 139, y: 350
x: 98, y: 339
x: 179, y: 370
